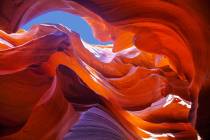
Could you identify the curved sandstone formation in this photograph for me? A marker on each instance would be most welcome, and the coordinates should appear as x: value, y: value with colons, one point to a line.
x: 151, y: 83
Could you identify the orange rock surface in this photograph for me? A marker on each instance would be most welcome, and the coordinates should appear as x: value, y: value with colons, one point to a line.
x: 152, y: 82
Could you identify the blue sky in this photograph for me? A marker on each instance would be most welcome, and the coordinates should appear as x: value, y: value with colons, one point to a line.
x: 73, y: 22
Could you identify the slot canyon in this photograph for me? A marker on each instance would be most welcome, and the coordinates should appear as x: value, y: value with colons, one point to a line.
x: 151, y: 83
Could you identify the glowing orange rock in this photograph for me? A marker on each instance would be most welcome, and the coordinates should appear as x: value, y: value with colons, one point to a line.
x: 149, y: 81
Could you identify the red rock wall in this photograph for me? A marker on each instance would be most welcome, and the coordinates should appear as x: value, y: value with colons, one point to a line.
x: 153, y: 81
